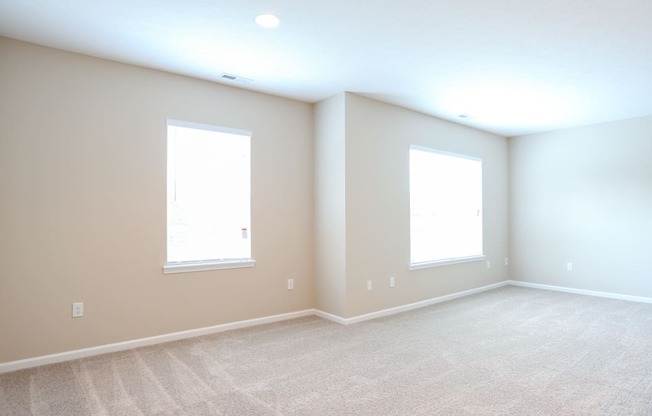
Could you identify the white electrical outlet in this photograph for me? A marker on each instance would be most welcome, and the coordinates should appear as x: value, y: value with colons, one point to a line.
x: 78, y: 309
x: 290, y: 284
x: 569, y: 266
x: 392, y: 281
x: 370, y: 285
x: 488, y: 264
x: 506, y: 261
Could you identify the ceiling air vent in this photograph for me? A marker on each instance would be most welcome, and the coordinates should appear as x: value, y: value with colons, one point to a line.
x: 231, y: 77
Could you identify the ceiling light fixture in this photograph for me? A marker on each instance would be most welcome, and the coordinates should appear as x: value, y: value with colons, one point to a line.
x: 267, y: 20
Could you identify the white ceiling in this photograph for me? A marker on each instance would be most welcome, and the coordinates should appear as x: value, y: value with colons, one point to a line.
x: 513, y: 66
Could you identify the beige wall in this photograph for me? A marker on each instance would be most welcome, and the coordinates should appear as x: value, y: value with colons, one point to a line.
x: 583, y: 195
x: 378, y: 138
x: 82, y: 214
x: 330, y: 205
x: 82, y: 170
x: 363, y: 209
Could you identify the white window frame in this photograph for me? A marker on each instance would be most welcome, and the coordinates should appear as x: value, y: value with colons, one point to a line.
x: 207, y: 264
x: 414, y: 265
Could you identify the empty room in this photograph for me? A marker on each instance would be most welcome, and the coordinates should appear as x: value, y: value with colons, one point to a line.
x: 325, y: 207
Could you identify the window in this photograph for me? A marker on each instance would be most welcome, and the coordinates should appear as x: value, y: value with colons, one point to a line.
x: 208, y: 198
x: 445, y: 208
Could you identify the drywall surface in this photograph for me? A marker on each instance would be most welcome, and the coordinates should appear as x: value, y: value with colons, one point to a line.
x: 378, y: 139
x: 83, y: 211
x: 330, y: 226
x: 583, y: 196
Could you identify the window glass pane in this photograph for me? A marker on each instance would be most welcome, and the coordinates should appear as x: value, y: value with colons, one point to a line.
x: 445, y: 205
x: 208, y: 194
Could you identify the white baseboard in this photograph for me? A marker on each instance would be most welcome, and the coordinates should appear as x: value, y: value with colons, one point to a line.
x: 607, y: 295
x: 408, y: 307
x: 143, y: 342
x: 331, y: 317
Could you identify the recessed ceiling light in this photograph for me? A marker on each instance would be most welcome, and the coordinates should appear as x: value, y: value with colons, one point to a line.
x: 267, y: 20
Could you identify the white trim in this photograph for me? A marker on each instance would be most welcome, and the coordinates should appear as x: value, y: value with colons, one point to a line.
x: 209, y: 127
x: 444, y: 152
x: 423, y: 303
x: 331, y: 317
x: 608, y: 295
x: 143, y: 342
x: 445, y: 262
x: 203, y: 265
x: 126, y: 345
x: 408, y: 307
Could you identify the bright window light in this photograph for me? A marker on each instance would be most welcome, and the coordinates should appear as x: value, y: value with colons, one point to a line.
x: 208, y: 193
x: 445, y: 206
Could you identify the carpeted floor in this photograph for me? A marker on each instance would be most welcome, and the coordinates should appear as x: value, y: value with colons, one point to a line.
x: 511, y: 351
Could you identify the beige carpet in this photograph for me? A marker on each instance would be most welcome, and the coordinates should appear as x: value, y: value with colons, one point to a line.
x: 511, y: 351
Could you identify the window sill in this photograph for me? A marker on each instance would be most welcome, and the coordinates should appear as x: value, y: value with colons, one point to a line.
x: 445, y: 262
x: 200, y: 266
